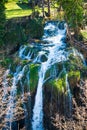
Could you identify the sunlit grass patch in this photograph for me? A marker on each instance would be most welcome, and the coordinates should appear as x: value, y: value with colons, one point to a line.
x: 17, y: 13
x: 14, y: 9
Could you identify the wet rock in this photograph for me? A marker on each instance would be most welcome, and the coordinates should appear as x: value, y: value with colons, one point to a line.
x: 43, y: 58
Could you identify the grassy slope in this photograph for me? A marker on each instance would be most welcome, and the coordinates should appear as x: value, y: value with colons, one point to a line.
x: 17, y: 9
x: 14, y: 9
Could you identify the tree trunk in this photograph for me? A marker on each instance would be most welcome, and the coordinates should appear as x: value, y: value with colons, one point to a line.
x: 43, y: 8
x: 48, y: 7
x: 33, y: 7
x: 77, y: 33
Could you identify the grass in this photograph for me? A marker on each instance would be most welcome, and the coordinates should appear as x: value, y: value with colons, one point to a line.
x: 14, y: 9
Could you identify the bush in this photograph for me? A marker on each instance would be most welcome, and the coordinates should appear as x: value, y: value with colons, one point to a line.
x: 35, y: 27
x: 2, y: 22
x: 6, y: 62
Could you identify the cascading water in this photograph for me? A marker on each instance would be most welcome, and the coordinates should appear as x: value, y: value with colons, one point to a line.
x: 69, y: 95
x: 47, y: 55
x: 77, y: 53
x: 55, y: 55
x: 12, y: 104
x: 5, y: 84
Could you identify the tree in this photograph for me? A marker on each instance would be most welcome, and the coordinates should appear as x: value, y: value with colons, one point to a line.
x: 43, y: 8
x: 73, y: 10
x: 48, y: 7
x: 2, y: 22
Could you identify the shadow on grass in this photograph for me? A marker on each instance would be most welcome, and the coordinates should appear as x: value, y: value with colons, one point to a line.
x: 24, y: 6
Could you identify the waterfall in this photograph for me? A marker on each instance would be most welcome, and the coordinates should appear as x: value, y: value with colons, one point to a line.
x: 21, y: 51
x: 12, y: 98
x: 77, y: 53
x: 46, y: 55
x: 69, y: 97
x: 55, y: 55
x: 37, y: 123
x: 5, y: 84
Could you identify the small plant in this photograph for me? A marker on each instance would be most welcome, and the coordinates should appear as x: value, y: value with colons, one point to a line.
x: 10, y: 76
x: 6, y: 62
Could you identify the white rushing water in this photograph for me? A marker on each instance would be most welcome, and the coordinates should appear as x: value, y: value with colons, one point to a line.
x: 56, y: 54
x: 77, y: 53
x: 69, y: 96
x: 12, y: 104
x: 5, y: 84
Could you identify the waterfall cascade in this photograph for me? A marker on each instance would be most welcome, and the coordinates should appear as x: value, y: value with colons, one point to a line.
x: 46, y: 55
x: 77, y: 53
x: 55, y: 55
x: 5, y: 84
x: 69, y: 96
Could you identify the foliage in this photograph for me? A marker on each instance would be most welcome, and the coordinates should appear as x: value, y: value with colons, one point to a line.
x: 6, y: 62
x: 16, y: 33
x: 10, y: 76
x: 2, y: 22
x: 84, y: 34
x: 20, y: 32
x: 73, y: 13
x: 36, y: 28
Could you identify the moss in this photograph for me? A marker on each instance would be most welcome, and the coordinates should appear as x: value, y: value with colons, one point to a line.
x: 58, y: 84
x: 24, y: 62
x: 74, y: 75
x: 10, y: 76
x: 33, y: 76
x: 74, y: 78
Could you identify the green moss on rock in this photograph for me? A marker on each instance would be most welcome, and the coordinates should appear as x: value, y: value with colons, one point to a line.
x: 74, y: 78
x: 33, y: 76
x: 58, y: 84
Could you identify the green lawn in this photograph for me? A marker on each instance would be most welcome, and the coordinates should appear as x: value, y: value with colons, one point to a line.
x: 14, y: 9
